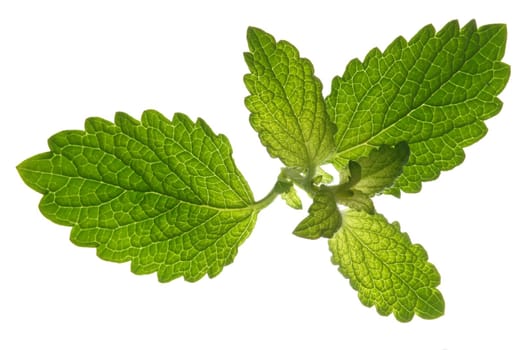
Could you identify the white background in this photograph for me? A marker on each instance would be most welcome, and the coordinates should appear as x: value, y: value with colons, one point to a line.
x: 63, y: 61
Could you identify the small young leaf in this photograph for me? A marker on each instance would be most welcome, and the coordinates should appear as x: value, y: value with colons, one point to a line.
x: 379, y: 169
x: 355, y: 199
x: 164, y: 195
x: 433, y: 92
x: 386, y: 269
x: 324, y: 217
x: 291, y: 198
x: 322, y: 177
x: 286, y: 103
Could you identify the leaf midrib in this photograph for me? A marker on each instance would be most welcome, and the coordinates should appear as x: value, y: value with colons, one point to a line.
x: 364, y: 245
x: 96, y: 181
x: 295, y: 116
x: 368, y: 141
x: 159, y: 159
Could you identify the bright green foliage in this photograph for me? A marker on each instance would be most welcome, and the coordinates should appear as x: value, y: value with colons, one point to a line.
x: 322, y: 177
x: 434, y: 92
x: 324, y: 217
x: 287, y: 106
x: 355, y: 200
x: 164, y: 195
x: 386, y: 269
x: 379, y: 169
x: 371, y: 175
x: 291, y: 198
x: 167, y: 196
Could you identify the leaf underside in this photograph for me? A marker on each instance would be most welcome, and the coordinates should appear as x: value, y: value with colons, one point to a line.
x: 433, y: 92
x: 165, y: 195
x: 386, y: 269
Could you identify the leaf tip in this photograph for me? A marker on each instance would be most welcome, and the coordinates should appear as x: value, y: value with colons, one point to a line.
x: 252, y: 30
x: 254, y: 35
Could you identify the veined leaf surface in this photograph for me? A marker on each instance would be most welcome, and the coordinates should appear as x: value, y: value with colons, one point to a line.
x: 386, y: 269
x: 286, y: 103
x: 165, y: 195
x: 433, y: 92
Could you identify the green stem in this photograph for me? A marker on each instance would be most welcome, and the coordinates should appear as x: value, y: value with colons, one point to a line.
x: 279, y: 187
x: 287, y: 178
x: 304, y: 182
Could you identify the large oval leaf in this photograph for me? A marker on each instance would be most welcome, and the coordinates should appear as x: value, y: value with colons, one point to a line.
x: 165, y: 195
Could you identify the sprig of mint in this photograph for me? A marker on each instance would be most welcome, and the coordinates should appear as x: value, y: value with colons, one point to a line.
x: 167, y: 196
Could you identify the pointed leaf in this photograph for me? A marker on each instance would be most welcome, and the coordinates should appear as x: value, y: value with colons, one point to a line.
x: 291, y: 198
x: 433, y: 92
x: 286, y: 102
x: 322, y: 177
x: 386, y: 269
x: 324, y: 217
x: 164, y: 195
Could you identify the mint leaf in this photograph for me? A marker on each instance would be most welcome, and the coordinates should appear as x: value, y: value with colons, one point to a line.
x: 379, y: 169
x: 433, y: 92
x: 167, y: 196
x: 386, y: 269
x: 324, y: 217
x: 291, y: 198
x: 354, y: 199
x: 164, y: 195
x: 370, y: 175
x: 322, y: 177
x: 286, y: 103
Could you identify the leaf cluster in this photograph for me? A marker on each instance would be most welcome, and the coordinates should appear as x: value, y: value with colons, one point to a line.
x: 167, y: 196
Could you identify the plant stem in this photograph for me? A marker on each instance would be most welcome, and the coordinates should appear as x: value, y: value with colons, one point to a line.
x: 279, y: 187
x: 287, y: 178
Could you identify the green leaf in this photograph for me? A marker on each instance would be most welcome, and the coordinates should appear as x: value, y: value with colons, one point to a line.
x: 286, y: 103
x: 386, y: 269
x: 322, y: 177
x: 164, y: 195
x: 433, y: 92
x: 354, y: 199
x: 291, y: 198
x: 379, y: 169
x: 324, y: 217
